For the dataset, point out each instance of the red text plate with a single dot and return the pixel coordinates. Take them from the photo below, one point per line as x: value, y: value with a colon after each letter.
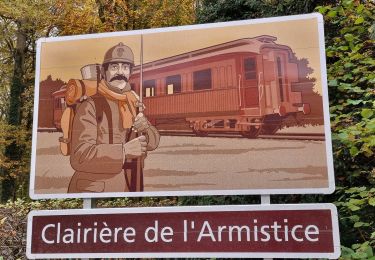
x: 304, y: 230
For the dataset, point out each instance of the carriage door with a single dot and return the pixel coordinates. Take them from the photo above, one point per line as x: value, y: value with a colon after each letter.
x: 281, y: 79
x: 250, y: 97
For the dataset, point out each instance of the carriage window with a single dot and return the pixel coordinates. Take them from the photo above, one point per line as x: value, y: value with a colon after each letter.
x: 149, y: 87
x: 173, y: 84
x: 202, y: 79
x: 62, y: 103
x: 250, y: 68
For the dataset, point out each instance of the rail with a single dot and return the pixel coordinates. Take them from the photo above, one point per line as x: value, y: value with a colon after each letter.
x: 283, y: 136
x: 286, y: 136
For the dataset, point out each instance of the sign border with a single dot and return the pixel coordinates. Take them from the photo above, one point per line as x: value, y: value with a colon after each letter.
x: 279, y: 207
x: 328, y: 140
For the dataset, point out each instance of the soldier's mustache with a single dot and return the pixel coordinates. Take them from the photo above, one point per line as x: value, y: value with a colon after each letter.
x: 119, y: 77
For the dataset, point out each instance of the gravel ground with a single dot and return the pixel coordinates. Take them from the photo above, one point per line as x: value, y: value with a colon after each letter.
x: 205, y: 163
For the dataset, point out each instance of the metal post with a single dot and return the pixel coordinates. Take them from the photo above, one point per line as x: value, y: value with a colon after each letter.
x: 87, y: 204
x: 265, y: 200
x: 141, y: 77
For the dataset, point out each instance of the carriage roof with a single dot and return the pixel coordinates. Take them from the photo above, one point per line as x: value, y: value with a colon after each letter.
x: 250, y: 45
x: 60, y: 92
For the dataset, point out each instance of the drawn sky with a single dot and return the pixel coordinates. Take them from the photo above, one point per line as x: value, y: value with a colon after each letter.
x: 63, y: 59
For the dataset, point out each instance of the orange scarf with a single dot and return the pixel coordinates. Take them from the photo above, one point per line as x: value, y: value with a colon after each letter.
x: 126, y: 103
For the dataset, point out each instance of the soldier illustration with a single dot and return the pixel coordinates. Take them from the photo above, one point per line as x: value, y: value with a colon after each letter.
x: 109, y: 135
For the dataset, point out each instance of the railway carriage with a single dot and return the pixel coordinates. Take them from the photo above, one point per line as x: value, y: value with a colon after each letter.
x: 59, y: 105
x: 243, y: 86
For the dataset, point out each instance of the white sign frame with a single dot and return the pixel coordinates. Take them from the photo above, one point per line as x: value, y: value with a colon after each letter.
x: 331, y: 182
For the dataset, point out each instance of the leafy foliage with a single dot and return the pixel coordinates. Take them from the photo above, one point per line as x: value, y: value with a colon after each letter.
x: 227, y: 10
x: 13, y: 218
x: 117, y: 15
x: 350, y: 35
x: 351, y: 78
x: 23, y: 22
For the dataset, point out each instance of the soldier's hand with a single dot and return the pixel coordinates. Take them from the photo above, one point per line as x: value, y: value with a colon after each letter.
x: 135, y: 148
x: 139, y: 104
x: 141, y: 123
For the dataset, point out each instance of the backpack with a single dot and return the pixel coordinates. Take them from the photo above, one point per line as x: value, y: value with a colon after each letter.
x: 76, y: 92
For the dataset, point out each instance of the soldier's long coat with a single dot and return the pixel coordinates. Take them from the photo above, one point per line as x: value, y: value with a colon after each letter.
x: 96, y: 152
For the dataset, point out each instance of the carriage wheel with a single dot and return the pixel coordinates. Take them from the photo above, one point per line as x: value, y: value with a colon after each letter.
x: 199, y: 132
x: 269, y: 129
x: 253, y: 131
x: 271, y: 124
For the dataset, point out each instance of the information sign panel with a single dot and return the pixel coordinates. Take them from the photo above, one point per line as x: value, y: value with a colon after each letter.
x: 291, y: 231
x: 225, y: 108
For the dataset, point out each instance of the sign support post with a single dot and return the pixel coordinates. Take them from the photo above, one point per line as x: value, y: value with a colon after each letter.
x: 265, y: 200
x: 87, y: 204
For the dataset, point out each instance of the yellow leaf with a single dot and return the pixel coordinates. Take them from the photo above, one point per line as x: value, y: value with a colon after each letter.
x: 2, y: 221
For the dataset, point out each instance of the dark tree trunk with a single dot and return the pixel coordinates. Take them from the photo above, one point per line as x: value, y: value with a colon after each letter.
x: 101, y: 10
x: 13, y: 152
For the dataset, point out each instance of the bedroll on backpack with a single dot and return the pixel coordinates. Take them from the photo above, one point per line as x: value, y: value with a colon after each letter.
x: 75, y: 91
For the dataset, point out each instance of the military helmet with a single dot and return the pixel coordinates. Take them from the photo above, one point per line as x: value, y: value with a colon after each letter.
x: 119, y: 53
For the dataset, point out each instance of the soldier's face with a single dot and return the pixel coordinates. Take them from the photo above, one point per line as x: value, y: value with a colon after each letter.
x: 117, y: 75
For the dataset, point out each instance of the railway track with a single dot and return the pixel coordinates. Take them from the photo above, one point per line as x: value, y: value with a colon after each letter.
x: 295, y: 136
x: 47, y: 130
x: 285, y: 136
